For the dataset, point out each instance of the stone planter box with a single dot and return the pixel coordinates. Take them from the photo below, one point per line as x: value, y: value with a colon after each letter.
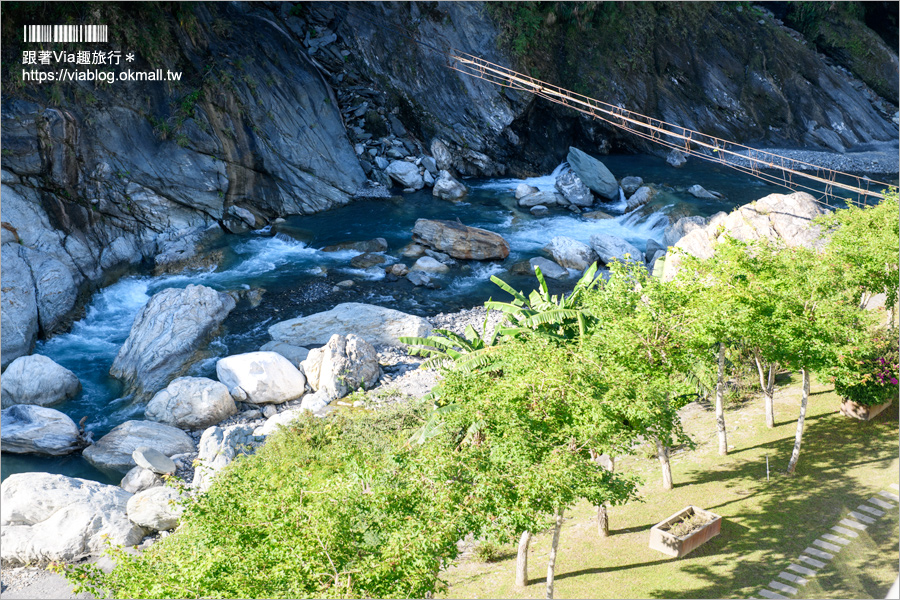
x: 863, y: 413
x: 665, y: 542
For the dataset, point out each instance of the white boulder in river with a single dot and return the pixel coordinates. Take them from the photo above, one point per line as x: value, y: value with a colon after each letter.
x: 156, y: 509
x: 594, y: 174
x: 38, y: 430
x: 36, y: 379
x: 167, y: 334
x: 191, y: 403
x: 406, y: 174
x: 570, y: 253
x: 574, y: 190
x: 113, y: 452
x: 374, y: 324
x: 448, y: 188
x: 51, y: 518
x: 342, y: 365
x: 610, y: 248
x: 261, y: 377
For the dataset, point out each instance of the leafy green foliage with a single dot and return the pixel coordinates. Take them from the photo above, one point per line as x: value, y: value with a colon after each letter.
x: 319, y: 511
x: 466, y: 352
x: 643, y: 340
x: 867, y: 373
x: 559, y: 317
x: 526, y: 435
x: 864, y: 243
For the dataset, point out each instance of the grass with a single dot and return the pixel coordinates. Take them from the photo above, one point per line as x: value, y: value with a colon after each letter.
x: 766, y: 524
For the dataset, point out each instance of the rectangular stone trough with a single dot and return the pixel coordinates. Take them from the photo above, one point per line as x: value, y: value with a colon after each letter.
x: 863, y: 413
x: 662, y: 540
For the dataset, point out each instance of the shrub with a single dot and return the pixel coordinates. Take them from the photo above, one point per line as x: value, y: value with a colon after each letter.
x: 867, y: 374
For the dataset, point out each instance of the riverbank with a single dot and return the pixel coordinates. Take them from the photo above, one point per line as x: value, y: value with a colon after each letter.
x: 876, y: 157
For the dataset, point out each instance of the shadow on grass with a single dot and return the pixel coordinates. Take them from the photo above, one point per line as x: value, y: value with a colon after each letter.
x: 601, y: 570
x: 787, y: 513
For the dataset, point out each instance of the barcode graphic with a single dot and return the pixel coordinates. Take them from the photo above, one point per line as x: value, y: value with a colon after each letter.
x: 66, y: 33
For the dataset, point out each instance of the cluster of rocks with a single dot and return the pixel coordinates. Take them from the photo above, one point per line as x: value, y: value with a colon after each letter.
x: 436, y: 247
x: 586, y: 182
x: 192, y: 428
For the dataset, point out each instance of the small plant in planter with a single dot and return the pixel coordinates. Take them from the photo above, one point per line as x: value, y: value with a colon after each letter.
x: 866, y: 376
x: 685, y: 531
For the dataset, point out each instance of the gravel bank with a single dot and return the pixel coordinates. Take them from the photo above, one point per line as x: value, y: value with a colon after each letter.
x: 875, y: 158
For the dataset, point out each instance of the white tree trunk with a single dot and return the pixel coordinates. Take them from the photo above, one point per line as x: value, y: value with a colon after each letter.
x: 795, y: 455
x: 720, y: 403
x: 662, y: 453
x: 551, y: 563
x: 768, y: 388
x: 522, y: 560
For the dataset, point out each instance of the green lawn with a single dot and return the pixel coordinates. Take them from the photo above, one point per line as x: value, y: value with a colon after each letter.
x: 766, y: 525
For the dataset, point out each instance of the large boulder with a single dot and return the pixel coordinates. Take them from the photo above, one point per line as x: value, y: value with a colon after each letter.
x: 343, y: 365
x: 523, y: 189
x: 156, y: 509
x: 539, y: 198
x: 442, y: 157
x: 18, y: 306
x: 676, y: 158
x: 681, y: 228
x: 375, y: 324
x: 38, y: 430
x: 460, y: 241
x: 36, y: 379
x: 191, y: 403
x: 167, y: 335
x: 149, y: 458
x: 631, y: 184
x: 218, y: 447
x: 374, y: 245
x: 51, y: 518
x: 138, y: 479
x: 113, y: 452
x: 261, y: 377
x: 594, y: 174
x: 785, y: 217
x: 406, y: 174
x: 610, y: 248
x: 698, y: 191
x: 570, y: 253
x: 285, y: 418
x: 429, y: 265
x: 295, y: 354
x: 574, y: 190
x: 448, y: 188
x: 640, y: 197
x: 55, y: 288
x: 549, y: 268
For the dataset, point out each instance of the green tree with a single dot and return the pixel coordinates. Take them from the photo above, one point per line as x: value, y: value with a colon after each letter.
x: 642, y: 341
x: 525, y: 431
x: 736, y: 302
x: 865, y: 243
